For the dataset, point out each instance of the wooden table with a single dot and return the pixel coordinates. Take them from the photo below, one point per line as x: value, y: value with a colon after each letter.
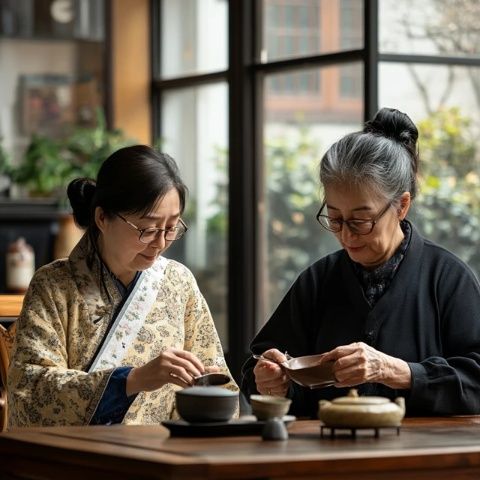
x: 10, y: 305
x: 437, y: 448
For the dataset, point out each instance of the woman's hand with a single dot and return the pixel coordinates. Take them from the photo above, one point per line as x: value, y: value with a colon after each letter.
x: 270, y: 378
x: 171, y: 366
x: 359, y: 363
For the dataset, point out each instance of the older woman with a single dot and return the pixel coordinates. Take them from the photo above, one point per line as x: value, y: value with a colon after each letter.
x: 106, y: 335
x: 398, y: 315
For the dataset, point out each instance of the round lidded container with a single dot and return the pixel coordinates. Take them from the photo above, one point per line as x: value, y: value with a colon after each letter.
x: 353, y: 411
x: 206, y: 404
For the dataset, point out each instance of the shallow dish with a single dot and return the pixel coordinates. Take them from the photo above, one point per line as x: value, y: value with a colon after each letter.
x: 309, y: 372
x: 247, y: 425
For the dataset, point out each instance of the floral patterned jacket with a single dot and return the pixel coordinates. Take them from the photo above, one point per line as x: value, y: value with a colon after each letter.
x: 65, y: 316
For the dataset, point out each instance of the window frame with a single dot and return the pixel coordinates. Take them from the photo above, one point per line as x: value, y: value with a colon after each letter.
x: 244, y: 77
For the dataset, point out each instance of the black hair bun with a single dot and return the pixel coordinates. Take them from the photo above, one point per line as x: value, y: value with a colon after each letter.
x: 391, y: 123
x: 80, y: 193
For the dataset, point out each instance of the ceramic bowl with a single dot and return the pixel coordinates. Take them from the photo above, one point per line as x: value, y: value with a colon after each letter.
x: 206, y: 404
x: 309, y: 372
x: 265, y: 407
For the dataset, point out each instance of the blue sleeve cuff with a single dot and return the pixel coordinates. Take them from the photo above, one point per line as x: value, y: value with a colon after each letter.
x: 114, y: 403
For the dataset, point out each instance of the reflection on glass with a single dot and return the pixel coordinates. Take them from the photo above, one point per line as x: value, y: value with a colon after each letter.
x: 351, y: 84
x: 295, y: 28
x: 299, y: 128
x: 194, y: 37
x: 444, y: 102
x: 201, y: 153
x: 430, y: 27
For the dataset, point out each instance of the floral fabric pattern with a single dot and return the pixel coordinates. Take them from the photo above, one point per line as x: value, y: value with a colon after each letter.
x: 130, y: 319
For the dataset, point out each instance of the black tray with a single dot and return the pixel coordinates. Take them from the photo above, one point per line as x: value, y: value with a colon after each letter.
x: 248, y: 425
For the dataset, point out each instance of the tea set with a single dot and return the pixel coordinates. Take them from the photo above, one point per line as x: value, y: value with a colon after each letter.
x: 207, y: 405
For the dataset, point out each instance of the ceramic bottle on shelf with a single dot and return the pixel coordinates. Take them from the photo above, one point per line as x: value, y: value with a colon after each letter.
x: 20, y: 266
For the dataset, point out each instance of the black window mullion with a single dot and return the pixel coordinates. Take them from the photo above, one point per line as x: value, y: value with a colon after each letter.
x: 430, y: 59
x: 311, y: 61
x: 156, y: 37
x: 190, y: 80
x: 242, y: 285
x: 371, y: 58
x: 108, y: 71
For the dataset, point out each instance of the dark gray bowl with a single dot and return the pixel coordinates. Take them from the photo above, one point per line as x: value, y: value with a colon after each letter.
x: 206, y: 404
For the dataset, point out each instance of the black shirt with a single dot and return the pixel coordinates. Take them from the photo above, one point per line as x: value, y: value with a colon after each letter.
x: 429, y: 316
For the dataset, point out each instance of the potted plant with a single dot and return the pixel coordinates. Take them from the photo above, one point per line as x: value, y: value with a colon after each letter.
x: 43, y: 169
x: 87, y: 148
x: 49, y: 164
x: 5, y: 170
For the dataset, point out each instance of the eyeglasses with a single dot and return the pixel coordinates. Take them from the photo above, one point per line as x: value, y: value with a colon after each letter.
x: 148, y: 235
x: 357, y: 227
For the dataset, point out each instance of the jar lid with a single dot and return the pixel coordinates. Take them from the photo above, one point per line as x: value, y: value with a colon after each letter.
x: 19, y: 245
x: 353, y: 399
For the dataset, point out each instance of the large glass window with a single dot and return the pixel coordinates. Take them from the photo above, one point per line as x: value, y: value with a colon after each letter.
x: 444, y: 103
x: 294, y: 99
x: 282, y: 102
x: 430, y: 27
x: 193, y: 37
x: 201, y: 153
x: 440, y: 90
x: 297, y: 132
x: 293, y: 28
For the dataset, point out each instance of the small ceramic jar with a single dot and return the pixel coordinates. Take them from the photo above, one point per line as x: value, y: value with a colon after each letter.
x: 20, y: 266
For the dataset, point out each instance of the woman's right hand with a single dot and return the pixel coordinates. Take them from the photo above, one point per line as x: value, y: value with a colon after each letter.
x: 270, y: 377
x: 171, y: 366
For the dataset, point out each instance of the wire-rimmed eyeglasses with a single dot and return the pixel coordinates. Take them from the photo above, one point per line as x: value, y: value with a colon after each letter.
x: 356, y: 226
x: 147, y: 235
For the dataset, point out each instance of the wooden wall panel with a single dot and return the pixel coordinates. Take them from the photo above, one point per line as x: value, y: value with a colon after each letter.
x: 130, y: 64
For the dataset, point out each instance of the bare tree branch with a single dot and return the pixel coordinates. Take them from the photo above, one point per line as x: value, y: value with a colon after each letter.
x: 421, y: 88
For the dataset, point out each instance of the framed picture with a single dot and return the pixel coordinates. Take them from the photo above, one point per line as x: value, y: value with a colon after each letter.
x: 46, y: 104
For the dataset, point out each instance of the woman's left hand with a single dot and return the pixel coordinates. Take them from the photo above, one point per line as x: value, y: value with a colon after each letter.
x: 359, y: 363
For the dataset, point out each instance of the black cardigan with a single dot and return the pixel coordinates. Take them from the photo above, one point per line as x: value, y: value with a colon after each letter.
x: 429, y: 317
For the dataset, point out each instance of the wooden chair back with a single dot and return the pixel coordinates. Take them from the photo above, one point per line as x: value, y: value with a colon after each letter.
x: 10, y: 307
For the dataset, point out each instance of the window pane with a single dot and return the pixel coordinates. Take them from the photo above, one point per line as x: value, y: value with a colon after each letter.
x: 194, y: 37
x: 445, y: 103
x: 294, y: 28
x: 201, y: 152
x: 430, y: 27
x: 300, y: 126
